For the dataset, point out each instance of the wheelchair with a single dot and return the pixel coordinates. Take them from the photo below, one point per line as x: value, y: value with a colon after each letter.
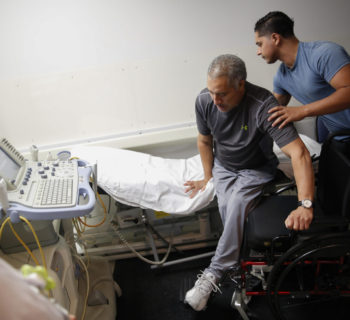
x: 305, y: 269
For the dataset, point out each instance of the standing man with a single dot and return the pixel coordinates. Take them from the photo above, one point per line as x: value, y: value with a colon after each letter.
x: 235, y: 144
x: 315, y: 73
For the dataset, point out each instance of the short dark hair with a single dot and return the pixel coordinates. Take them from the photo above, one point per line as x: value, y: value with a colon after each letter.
x: 275, y: 22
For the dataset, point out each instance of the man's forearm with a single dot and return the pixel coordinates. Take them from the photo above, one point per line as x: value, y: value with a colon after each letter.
x: 301, y: 217
x: 207, y: 157
x: 304, y: 177
x: 337, y: 101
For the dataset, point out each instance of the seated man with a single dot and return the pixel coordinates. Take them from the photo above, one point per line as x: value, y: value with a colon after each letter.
x: 235, y: 144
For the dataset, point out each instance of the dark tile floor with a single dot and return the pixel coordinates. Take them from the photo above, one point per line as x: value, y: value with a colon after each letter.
x: 157, y: 294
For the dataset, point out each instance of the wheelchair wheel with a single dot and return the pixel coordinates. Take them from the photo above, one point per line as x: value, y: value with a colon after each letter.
x: 312, y: 280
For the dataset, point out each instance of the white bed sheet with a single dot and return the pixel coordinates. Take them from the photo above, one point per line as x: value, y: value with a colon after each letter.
x: 146, y: 181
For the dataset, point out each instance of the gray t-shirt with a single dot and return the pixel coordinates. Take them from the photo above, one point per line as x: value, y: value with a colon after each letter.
x: 243, y: 136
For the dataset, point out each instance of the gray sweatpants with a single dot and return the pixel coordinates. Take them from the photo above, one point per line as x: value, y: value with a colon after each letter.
x: 237, y: 193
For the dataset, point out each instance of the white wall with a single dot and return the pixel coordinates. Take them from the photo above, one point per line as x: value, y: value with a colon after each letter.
x: 85, y: 70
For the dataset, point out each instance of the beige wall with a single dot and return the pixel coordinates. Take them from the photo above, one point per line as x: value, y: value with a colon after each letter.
x: 77, y: 71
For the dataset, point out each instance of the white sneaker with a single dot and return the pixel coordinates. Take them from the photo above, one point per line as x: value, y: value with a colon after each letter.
x: 198, y: 296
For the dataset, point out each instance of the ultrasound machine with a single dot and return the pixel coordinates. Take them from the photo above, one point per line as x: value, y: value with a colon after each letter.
x: 42, y: 190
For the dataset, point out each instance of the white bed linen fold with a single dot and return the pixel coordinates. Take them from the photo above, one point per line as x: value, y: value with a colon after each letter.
x: 146, y: 181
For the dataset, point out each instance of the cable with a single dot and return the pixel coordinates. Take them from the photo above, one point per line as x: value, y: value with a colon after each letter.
x: 148, y: 225
x: 104, y: 211
x: 7, y: 220
x: 109, y: 203
x: 78, y: 221
x: 99, y: 197
x: 76, y: 226
x: 104, y: 217
x: 36, y: 239
x: 87, y: 285
x: 80, y: 225
x: 115, y: 228
x: 3, y: 225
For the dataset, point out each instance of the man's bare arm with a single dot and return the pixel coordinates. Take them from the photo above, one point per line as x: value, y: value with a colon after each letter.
x: 300, y: 218
x: 205, y: 148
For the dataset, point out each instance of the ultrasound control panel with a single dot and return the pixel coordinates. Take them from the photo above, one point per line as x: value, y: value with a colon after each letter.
x: 48, y: 184
x: 43, y: 190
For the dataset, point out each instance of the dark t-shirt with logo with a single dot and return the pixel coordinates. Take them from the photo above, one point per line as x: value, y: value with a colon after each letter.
x: 243, y: 137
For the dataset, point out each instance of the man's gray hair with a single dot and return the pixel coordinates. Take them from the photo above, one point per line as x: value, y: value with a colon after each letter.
x: 230, y: 66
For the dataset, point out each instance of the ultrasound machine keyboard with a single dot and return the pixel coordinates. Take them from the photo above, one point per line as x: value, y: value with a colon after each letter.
x: 55, y: 192
x: 48, y: 184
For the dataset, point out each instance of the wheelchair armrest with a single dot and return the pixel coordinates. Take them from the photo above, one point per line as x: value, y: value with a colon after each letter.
x: 279, y: 184
x: 287, y: 186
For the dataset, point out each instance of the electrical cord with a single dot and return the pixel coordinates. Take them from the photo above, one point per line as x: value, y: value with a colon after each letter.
x: 121, y: 237
x: 148, y: 225
x: 80, y: 225
x: 97, y: 195
x: 78, y: 221
x: 7, y: 220
x: 36, y: 239
x: 87, y: 285
x: 104, y: 216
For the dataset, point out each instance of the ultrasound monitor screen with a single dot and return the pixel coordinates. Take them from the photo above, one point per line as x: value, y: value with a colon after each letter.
x: 8, y: 167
